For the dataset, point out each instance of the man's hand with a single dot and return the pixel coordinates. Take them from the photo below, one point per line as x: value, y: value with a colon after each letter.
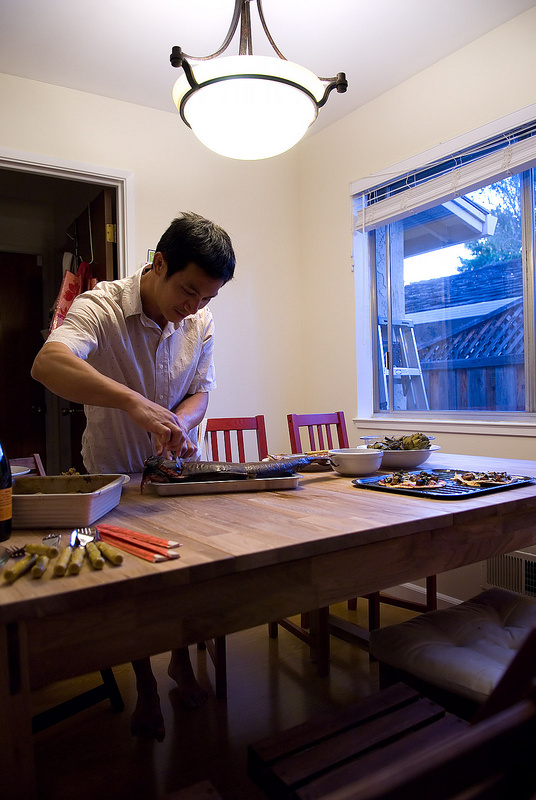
x: 168, y: 431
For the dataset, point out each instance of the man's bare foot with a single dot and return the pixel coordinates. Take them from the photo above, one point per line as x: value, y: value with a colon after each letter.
x: 147, y: 721
x: 180, y: 669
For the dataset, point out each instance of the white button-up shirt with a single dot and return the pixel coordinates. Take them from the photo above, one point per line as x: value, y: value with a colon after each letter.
x: 107, y: 327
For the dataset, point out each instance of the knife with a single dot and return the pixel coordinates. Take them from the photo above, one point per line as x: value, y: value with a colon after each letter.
x: 60, y: 567
x: 77, y: 554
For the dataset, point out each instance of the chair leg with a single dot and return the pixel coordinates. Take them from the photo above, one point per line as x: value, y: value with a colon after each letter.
x: 431, y: 593
x: 373, y: 610
x: 110, y: 683
x: 319, y: 630
x: 272, y: 630
x: 217, y: 650
x: 107, y: 690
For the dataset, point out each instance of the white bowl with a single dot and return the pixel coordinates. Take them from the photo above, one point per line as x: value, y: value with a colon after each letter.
x: 354, y: 461
x: 403, y: 459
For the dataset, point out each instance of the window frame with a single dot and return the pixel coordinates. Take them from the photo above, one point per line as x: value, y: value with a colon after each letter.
x: 518, y: 423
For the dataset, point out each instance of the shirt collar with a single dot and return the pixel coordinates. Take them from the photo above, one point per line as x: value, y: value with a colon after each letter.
x: 132, y: 304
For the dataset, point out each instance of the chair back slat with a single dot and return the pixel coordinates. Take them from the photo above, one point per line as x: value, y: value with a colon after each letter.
x: 237, y: 425
x: 33, y: 462
x: 320, y: 428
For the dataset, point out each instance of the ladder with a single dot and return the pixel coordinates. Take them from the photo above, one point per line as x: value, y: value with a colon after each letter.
x: 406, y: 364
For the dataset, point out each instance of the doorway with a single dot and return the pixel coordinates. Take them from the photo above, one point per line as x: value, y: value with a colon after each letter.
x: 38, y: 209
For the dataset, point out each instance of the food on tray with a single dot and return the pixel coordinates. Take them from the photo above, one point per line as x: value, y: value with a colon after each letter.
x: 158, y: 469
x: 412, y: 441
x: 484, y: 478
x: 411, y: 480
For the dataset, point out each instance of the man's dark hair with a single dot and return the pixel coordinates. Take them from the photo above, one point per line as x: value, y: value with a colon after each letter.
x: 193, y: 239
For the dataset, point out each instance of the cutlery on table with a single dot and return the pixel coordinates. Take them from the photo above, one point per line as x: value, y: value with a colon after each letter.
x: 77, y: 554
x: 32, y: 556
x: 45, y: 551
x: 143, y: 545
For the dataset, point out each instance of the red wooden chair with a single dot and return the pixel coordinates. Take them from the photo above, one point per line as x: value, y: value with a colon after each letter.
x: 324, y: 432
x: 320, y: 431
x: 234, y: 448
x: 237, y: 425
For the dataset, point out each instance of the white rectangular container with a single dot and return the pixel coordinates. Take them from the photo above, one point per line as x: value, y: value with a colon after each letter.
x: 64, y: 501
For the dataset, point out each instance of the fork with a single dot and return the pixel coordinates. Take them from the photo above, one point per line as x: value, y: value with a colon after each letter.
x: 51, y: 540
x: 86, y: 540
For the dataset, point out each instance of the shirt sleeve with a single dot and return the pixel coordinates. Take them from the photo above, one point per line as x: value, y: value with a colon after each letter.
x: 204, y: 379
x: 80, y: 329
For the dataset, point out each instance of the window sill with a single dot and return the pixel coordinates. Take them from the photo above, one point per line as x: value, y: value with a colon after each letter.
x: 492, y: 425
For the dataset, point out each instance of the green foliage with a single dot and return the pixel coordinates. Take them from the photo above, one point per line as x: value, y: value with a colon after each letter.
x: 503, y: 200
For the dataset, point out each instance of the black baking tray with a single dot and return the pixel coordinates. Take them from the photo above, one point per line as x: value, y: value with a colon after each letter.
x: 452, y: 490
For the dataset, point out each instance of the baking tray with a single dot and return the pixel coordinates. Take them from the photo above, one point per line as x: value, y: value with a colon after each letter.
x: 452, y: 491
x: 64, y: 501
x: 219, y: 487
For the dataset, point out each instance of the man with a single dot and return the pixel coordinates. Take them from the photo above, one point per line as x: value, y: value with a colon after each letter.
x: 138, y: 353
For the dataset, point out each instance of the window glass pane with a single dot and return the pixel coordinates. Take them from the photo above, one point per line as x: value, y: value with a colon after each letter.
x: 449, y: 295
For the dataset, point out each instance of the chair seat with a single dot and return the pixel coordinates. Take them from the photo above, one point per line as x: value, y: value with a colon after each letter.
x: 465, y: 649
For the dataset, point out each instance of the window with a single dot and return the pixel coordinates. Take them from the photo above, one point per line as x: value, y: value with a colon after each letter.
x: 451, y: 254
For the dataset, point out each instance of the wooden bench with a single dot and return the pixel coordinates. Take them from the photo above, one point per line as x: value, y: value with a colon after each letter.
x: 398, y: 745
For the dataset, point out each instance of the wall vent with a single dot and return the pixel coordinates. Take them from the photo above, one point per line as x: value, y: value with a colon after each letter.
x: 514, y: 571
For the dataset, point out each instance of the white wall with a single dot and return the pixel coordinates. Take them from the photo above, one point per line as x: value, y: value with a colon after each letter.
x: 257, y: 316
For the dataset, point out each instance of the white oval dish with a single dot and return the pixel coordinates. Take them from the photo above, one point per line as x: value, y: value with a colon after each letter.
x: 16, y: 471
x: 403, y: 459
x: 352, y: 461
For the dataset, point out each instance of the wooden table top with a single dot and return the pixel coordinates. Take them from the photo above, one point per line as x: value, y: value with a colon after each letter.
x: 227, y: 534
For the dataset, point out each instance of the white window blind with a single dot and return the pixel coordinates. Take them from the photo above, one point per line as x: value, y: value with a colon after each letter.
x: 450, y: 178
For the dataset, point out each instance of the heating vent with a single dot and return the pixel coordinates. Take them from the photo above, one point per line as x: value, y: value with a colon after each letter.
x: 515, y: 571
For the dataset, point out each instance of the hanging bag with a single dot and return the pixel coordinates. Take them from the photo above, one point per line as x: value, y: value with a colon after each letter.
x: 71, y: 286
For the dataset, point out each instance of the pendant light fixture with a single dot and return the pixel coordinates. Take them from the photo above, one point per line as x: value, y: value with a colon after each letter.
x: 246, y: 106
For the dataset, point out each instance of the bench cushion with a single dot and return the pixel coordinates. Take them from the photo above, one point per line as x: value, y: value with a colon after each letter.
x: 465, y: 649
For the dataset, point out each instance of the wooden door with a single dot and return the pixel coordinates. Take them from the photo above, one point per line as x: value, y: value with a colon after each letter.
x: 93, y: 236
x: 22, y: 405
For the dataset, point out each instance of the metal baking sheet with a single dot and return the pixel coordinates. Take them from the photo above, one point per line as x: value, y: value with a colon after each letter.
x: 220, y: 487
x: 452, y: 491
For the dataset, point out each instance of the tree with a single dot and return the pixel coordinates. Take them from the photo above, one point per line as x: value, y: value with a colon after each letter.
x: 503, y: 199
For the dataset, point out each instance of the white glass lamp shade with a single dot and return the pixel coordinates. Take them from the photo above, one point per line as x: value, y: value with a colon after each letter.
x: 249, y: 107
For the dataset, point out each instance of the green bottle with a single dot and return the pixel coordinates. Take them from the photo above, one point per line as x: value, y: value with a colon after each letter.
x: 5, y: 497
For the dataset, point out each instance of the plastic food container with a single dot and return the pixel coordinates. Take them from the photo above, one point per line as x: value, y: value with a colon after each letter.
x: 64, y: 501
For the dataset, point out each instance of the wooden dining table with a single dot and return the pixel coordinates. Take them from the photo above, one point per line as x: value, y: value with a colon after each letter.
x: 246, y: 558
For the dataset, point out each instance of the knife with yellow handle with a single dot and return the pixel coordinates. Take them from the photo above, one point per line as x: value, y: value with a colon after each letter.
x: 60, y: 567
x: 77, y: 554
x: 12, y: 573
x: 94, y: 554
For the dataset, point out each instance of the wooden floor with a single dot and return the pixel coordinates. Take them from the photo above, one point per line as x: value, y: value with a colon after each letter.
x: 272, y: 685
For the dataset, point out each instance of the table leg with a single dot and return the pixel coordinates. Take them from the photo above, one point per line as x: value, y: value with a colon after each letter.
x: 16, y: 745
